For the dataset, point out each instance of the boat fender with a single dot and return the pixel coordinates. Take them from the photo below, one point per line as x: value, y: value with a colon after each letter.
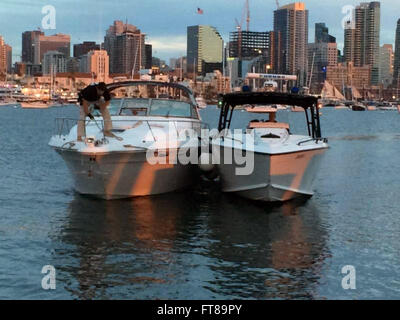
x: 205, y: 162
x: 212, y: 175
x: 209, y: 169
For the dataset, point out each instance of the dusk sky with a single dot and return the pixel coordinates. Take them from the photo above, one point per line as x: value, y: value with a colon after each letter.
x: 165, y: 21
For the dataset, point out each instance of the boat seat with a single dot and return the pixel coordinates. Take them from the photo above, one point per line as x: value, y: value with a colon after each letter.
x: 257, y: 125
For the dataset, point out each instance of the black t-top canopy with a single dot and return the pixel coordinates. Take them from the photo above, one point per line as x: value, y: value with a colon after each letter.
x: 241, y: 98
x: 229, y: 101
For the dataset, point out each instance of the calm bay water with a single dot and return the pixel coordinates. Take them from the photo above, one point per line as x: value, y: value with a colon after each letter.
x: 202, y: 244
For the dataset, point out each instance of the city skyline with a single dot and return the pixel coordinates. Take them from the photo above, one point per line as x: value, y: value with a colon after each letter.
x: 168, y: 35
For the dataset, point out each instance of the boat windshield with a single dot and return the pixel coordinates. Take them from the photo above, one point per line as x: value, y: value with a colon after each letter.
x: 151, y: 107
x: 170, y: 108
x: 152, y: 99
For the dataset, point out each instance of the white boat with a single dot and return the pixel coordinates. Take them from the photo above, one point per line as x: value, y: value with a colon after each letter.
x: 386, y: 106
x: 8, y: 102
x: 150, y: 136
x: 341, y: 106
x: 296, y: 109
x: 358, y: 107
x: 330, y: 95
x: 336, y: 104
x: 8, y: 96
x: 370, y: 105
x: 283, y: 164
x: 35, y: 104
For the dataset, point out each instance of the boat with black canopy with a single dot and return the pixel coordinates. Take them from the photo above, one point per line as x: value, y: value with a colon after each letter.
x: 267, y: 161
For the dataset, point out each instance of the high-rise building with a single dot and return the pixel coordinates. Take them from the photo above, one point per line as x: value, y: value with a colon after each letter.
x: 3, y: 58
x: 361, y: 38
x: 320, y: 56
x: 83, y: 48
x: 98, y: 64
x: 29, y: 39
x: 125, y: 46
x: 204, y: 49
x: 43, y: 44
x: 322, y: 34
x: 349, y: 42
x: 386, y: 59
x: 35, y: 44
x: 148, y: 56
x: 130, y: 49
x: 396, y: 71
x: 275, y: 58
x: 249, y: 44
x: 347, y: 75
x: 9, y: 58
x: 291, y: 26
x: 84, y: 64
x: 367, y: 36
x: 72, y: 64
x: 54, y: 62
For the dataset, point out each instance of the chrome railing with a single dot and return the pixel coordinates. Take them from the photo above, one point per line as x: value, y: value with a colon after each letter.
x: 63, y: 126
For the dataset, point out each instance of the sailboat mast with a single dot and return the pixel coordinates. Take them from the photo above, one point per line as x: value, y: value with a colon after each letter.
x: 311, y: 73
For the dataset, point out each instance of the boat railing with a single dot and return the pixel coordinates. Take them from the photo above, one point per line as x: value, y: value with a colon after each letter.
x: 316, y: 140
x: 63, y: 126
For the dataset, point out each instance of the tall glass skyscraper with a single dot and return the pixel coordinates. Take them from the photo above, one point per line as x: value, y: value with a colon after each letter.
x: 396, y: 71
x: 204, y: 49
x: 291, y: 28
x: 367, y: 37
x: 125, y: 45
x: 362, y: 38
x: 322, y: 34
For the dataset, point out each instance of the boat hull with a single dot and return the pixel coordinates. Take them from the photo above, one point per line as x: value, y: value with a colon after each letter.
x: 38, y: 105
x: 120, y: 175
x: 276, y: 177
x: 358, y: 108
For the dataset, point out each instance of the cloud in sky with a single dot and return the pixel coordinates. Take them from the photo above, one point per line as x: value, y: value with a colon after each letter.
x: 168, y: 44
x: 165, y: 21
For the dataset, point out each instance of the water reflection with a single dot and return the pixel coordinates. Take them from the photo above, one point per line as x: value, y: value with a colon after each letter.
x: 267, y: 251
x: 116, y: 243
x: 163, y: 247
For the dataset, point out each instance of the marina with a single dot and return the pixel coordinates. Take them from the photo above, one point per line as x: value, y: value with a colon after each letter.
x: 204, y: 156
x: 203, y: 242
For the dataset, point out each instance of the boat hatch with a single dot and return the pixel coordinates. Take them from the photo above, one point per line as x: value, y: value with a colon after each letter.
x: 118, y: 130
x: 270, y: 136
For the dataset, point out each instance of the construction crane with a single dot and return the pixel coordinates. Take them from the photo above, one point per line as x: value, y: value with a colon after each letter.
x: 277, y: 4
x: 246, y: 12
x: 247, y: 9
